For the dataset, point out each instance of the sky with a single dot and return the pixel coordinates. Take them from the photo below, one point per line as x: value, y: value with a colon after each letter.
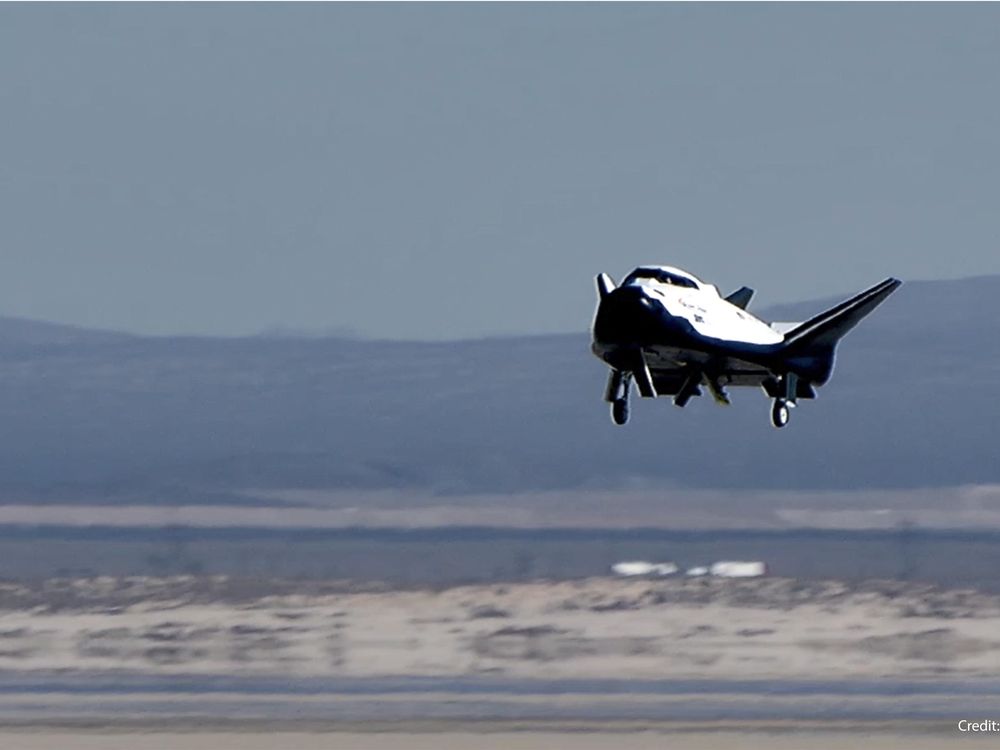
x: 450, y: 170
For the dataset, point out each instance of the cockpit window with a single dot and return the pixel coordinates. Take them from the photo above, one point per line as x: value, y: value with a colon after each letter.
x: 658, y: 274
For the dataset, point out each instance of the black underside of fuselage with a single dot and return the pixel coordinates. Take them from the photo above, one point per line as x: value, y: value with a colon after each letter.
x: 628, y: 324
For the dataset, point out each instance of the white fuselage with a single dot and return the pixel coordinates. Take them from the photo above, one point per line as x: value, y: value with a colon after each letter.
x: 708, y: 313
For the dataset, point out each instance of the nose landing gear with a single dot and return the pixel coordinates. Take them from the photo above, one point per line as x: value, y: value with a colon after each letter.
x: 619, y: 411
x: 616, y: 394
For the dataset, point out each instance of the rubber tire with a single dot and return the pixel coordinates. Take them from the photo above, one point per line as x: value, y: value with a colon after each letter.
x: 780, y: 413
x: 619, y: 411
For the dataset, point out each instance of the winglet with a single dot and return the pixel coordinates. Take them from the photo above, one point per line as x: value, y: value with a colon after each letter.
x: 605, y: 285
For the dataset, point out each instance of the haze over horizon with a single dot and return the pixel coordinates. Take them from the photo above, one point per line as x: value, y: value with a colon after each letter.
x: 766, y: 309
x: 458, y: 171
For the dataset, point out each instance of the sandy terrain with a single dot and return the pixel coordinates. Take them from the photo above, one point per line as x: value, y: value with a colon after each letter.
x: 970, y: 507
x: 597, y: 628
x: 527, y: 740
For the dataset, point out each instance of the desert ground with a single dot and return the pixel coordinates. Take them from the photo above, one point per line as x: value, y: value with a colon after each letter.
x: 698, y: 628
x: 974, y: 506
x: 192, y: 662
x: 465, y: 740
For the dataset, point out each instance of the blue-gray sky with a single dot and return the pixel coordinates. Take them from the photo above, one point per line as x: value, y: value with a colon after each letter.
x: 439, y: 171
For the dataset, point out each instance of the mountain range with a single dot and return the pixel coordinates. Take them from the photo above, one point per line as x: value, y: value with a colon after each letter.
x: 96, y: 415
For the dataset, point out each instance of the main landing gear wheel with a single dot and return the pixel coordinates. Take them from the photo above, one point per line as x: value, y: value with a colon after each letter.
x: 619, y: 411
x: 780, y: 412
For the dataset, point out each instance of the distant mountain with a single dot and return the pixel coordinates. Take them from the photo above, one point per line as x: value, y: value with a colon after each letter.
x: 15, y: 332
x: 92, y: 415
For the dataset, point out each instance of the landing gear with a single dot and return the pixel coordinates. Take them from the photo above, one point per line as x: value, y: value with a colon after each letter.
x: 784, y: 389
x: 619, y: 411
x: 689, y: 388
x: 780, y: 412
x: 616, y: 394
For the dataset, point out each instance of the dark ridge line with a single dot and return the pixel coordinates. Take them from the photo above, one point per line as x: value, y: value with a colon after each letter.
x: 478, y: 533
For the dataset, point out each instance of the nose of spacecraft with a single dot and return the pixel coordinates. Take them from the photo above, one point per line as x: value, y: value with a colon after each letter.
x: 625, y: 314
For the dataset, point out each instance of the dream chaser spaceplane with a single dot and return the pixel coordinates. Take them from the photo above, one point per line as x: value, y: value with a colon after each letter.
x: 672, y: 333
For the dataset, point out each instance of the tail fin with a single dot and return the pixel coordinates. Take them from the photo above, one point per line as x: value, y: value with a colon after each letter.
x: 827, y: 328
x: 810, y: 345
x: 741, y: 297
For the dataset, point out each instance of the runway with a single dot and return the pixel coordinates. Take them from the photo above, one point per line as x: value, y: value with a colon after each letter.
x: 787, y: 738
x: 53, y: 700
